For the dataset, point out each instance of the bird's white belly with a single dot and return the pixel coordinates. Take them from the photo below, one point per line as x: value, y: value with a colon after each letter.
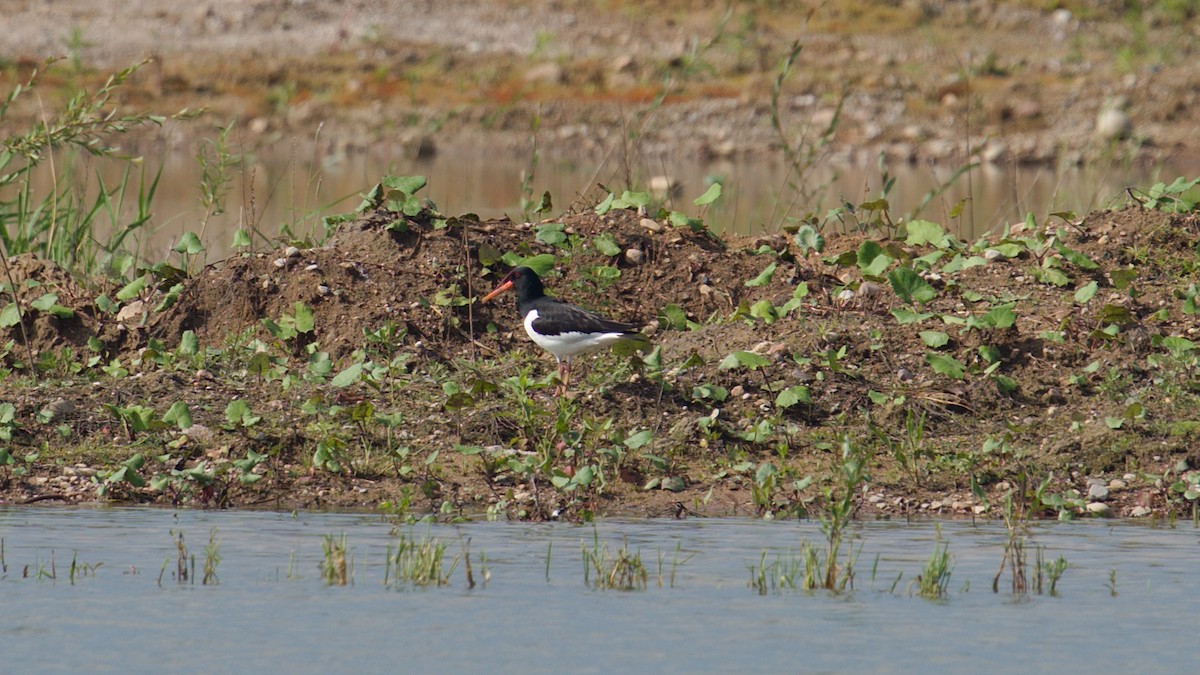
x: 565, y: 345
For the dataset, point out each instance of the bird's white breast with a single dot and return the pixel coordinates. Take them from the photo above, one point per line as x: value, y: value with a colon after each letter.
x: 566, y: 345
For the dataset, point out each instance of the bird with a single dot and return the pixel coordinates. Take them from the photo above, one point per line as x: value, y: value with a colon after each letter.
x: 558, y: 327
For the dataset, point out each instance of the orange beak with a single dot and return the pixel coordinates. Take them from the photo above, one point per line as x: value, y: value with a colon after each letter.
x: 499, y: 289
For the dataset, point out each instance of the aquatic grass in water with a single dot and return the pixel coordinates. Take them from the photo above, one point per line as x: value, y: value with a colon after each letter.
x: 337, y: 567
x: 935, y: 577
x: 418, y: 562
x: 620, y: 570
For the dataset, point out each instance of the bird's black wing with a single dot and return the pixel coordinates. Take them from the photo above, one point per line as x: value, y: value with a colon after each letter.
x: 556, y: 318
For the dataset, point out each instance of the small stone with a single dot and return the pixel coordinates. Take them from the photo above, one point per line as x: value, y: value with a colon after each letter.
x: 979, y: 509
x: 1100, y: 509
x: 1117, y: 484
x: 545, y: 73
x: 959, y: 506
x: 992, y: 254
x: 59, y: 408
x: 935, y: 505
x: 875, y: 499
x: 311, y: 268
x: 737, y: 390
x: 291, y: 252
x: 1113, y: 124
x: 131, y: 311
x: 280, y: 262
x: 1139, y: 512
x: 869, y: 289
x: 635, y: 256
x: 845, y: 296
x: 1097, y: 492
x: 322, y: 289
x: 651, y: 224
x: 1129, y: 477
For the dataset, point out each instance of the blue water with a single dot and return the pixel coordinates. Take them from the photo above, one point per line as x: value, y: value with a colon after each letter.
x: 258, y: 618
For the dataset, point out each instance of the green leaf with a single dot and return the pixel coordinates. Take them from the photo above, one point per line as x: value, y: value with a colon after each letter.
x: 541, y: 264
x: 809, y: 239
x: 710, y: 195
x: 764, y: 310
x: 946, y: 365
x: 1001, y: 316
x: 488, y: 255
x: 934, y: 338
x: 910, y: 286
x: 551, y: 233
x: 1114, y: 422
x: 1178, y: 346
x: 44, y: 303
x: 238, y: 413
x: 304, y: 318
x: 1122, y: 279
x: 409, y: 185
x: 607, y: 244
x: 179, y: 415
x: 1050, y: 275
x: 348, y: 376
x: 1009, y: 250
x: 189, y: 344
x: 1075, y: 257
x: 132, y: 289
x: 241, y: 238
x: 189, y: 243
x: 1005, y: 384
x: 907, y: 317
x: 639, y: 439
x: 743, y: 359
x: 1086, y: 293
x: 925, y: 232
x: 674, y: 317
x: 713, y: 391
x: 606, y: 205
x: 763, y: 277
x: 793, y: 395
x: 871, y: 258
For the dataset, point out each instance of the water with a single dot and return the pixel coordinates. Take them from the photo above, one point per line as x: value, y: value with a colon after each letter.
x: 260, y: 619
x: 294, y: 185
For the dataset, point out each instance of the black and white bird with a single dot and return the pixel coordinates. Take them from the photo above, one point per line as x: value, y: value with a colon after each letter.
x: 560, y: 328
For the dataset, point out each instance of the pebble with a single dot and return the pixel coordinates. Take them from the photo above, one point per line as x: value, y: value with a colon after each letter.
x: 634, y: 256
x: 59, y: 407
x: 311, y: 268
x: 291, y: 252
x: 1100, y: 509
x: 322, y: 289
x: 959, y: 506
x: 979, y: 509
x: 651, y: 224
x: 992, y: 254
x: 131, y: 311
x: 1139, y: 512
x: 280, y: 262
x: 737, y: 390
x: 1129, y: 477
x: 1097, y: 492
x: 1117, y: 484
x: 1113, y: 125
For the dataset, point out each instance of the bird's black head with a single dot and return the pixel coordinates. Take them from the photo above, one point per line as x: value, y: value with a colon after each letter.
x: 524, y: 280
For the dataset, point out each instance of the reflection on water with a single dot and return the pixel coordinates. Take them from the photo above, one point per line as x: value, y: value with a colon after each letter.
x: 271, y: 610
x: 292, y: 186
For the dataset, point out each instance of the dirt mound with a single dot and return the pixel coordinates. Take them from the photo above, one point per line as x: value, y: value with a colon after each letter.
x: 1068, y: 346
x: 421, y: 276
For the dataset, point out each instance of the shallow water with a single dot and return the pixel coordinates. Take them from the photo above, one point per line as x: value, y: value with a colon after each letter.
x: 260, y: 618
x: 289, y: 185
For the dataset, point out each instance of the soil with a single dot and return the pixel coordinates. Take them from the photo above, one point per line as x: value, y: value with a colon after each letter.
x: 1094, y: 406
x: 1092, y: 398
x: 922, y: 81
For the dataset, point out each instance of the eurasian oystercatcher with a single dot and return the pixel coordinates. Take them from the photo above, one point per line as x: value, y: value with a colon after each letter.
x: 560, y: 328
